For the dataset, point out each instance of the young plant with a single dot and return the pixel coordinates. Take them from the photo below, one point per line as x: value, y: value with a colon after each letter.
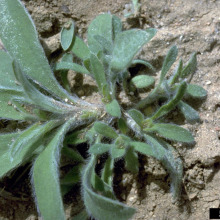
x: 59, y: 120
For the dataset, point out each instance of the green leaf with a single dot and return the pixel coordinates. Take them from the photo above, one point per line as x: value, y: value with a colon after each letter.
x: 126, y: 46
x: 39, y: 99
x: 166, y: 108
x: 113, y: 108
x: 71, y: 66
x: 45, y: 178
x: 168, y: 62
x: 105, y: 130
x: 100, y: 148
x: 80, y: 49
x: 81, y: 216
x: 8, y: 79
x: 72, y: 177
x: 72, y: 154
x: 177, y: 73
x: 19, y: 36
x: 100, y: 186
x: 8, y: 110
x: 6, y: 164
x: 66, y: 35
x: 190, y: 114
x: 143, y: 81
x: 143, y: 148
x: 117, y: 151
x: 98, y: 71
x: 99, y: 206
x: 122, y: 125
x: 106, y: 45
x: 131, y: 160
x: 167, y: 155
x: 116, y: 26
x: 30, y: 136
x: 102, y: 26
x: 190, y: 68
x: 137, y: 116
x: 67, y: 57
x: 107, y: 172
x: 172, y: 132
x: 143, y: 62
x: 196, y: 91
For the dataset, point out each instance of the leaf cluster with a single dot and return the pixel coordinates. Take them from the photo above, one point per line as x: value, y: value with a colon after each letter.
x: 59, y: 120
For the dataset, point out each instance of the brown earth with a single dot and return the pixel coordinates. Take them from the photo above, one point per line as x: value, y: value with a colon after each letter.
x: 192, y: 26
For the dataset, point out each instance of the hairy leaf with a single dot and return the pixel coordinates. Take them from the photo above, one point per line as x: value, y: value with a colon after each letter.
x: 6, y: 164
x: 46, y: 178
x: 66, y: 36
x: 189, y: 113
x: 101, y: 25
x: 143, y: 62
x: 196, y: 91
x: 143, y: 81
x: 190, y: 68
x: 99, y: 206
x: 71, y: 66
x: 172, y: 132
x: 137, y: 116
x: 30, y: 136
x: 117, y: 151
x: 100, y: 148
x: 80, y: 49
x: 72, y: 177
x: 166, y: 108
x: 105, y: 130
x: 98, y: 71
x: 44, y: 102
x: 170, y: 160
x: 168, y: 62
x: 127, y: 44
x: 113, y: 108
x: 107, y: 172
x: 143, y: 148
x: 8, y: 109
x: 131, y: 160
x: 19, y: 37
x: 116, y: 26
x: 176, y: 74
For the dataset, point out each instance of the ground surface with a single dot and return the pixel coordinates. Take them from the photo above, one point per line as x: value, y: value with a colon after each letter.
x: 192, y: 26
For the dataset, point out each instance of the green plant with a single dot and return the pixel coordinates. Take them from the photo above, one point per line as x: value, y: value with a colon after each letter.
x: 58, y: 120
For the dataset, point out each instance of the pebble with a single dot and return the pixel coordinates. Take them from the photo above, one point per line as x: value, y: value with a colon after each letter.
x: 208, y: 82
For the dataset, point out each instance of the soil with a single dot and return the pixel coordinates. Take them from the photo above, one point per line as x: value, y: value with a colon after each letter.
x: 192, y: 26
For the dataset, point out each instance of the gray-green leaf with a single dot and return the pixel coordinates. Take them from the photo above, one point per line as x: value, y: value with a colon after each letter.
x: 113, y: 108
x: 66, y: 36
x: 172, y: 132
x: 105, y: 130
x: 127, y: 44
x: 143, y: 81
x: 100, y: 148
x: 168, y: 62
x: 99, y: 206
x: 196, y: 91
x: 19, y: 36
x: 189, y: 113
x: 46, y: 178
